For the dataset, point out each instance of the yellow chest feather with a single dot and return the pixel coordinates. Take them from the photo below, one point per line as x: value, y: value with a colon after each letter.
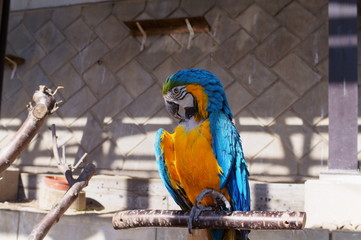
x: 194, y: 166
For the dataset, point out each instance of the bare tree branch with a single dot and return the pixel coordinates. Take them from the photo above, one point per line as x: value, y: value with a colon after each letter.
x: 40, y: 230
x: 81, y: 160
x: 64, y: 168
x: 210, y: 219
x: 62, y: 165
x: 45, y: 104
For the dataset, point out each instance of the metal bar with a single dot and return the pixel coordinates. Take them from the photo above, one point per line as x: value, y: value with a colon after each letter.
x: 343, y: 92
x: 5, y: 8
x: 253, y: 220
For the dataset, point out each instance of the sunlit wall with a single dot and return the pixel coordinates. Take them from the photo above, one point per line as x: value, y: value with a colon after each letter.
x: 271, y: 57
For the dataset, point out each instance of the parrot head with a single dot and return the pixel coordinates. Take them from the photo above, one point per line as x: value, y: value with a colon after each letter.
x: 193, y: 94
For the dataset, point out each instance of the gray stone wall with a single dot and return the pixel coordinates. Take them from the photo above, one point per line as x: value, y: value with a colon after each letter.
x: 270, y: 55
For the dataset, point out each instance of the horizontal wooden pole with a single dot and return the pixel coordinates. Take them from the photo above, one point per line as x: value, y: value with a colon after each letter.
x: 168, y: 25
x: 252, y: 220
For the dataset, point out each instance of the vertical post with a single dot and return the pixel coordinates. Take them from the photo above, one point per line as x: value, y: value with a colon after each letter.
x: 4, y: 18
x: 343, y: 92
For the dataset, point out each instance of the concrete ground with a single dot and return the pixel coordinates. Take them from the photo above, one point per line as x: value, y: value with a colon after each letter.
x: 17, y: 225
x: 108, y: 194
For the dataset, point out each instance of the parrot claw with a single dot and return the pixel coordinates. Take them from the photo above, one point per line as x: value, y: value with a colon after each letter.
x: 194, y: 214
x: 198, y: 207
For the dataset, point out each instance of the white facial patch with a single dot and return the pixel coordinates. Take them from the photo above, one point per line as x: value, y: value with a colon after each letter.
x: 187, y: 101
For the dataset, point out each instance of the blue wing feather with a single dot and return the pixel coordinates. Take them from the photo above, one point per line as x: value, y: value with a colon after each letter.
x: 176, y: 193
x: 222, y: 148
x: 229, y: 154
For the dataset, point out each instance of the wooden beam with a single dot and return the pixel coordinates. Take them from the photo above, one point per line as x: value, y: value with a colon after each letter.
x: 168, y: 26
x: 343, y: 88
x: 4, y: 18
x: 11, y: 59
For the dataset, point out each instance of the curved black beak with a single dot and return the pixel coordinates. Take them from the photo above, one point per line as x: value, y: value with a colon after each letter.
x: 173, y: 109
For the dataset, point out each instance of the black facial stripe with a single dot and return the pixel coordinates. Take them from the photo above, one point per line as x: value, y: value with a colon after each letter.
x: 190, y: 112
x: 177, y: 93
x: 182, y: 93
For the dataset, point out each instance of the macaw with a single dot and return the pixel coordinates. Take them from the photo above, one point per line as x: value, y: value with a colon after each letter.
x: 205, y: 151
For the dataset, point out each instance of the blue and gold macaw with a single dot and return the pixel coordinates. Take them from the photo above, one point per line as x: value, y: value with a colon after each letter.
x: 205, y: 151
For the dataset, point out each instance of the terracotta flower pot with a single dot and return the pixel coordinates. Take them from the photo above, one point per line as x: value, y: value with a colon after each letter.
x: 55, y: 182
x: 53, y: 190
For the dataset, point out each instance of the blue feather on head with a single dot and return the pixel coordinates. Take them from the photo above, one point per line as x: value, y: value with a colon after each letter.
x: 217, y: 100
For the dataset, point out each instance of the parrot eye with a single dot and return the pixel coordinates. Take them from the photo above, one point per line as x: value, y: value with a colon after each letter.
x: 179, y: 92
x: 175, y: 90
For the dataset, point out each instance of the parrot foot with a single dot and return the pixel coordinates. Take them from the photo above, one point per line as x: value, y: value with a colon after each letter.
x: 218, y: 199
x: 194, y: 214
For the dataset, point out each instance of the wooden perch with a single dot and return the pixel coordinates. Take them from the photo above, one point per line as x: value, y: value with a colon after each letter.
x: 253, y: 220
x: 40, y: 230
x: 45, y: 104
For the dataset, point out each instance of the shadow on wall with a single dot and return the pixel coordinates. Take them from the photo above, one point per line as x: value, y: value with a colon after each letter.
x: 272, y: 65
x: 287, y: 147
